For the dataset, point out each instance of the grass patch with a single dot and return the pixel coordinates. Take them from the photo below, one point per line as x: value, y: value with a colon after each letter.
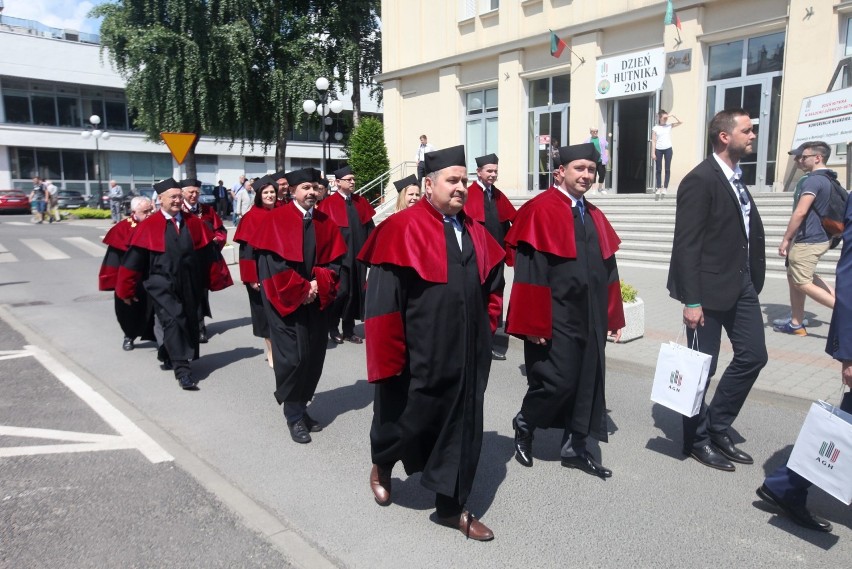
x: 86, y: 213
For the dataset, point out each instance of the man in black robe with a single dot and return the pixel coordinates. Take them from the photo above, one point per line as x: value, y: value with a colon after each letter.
x: 565, y: 297
x: 354, y: 215
x: 176, y: 260
x: 489, y: 206
x: 430, y: 288
x: 298, y: 251
x: 137, y: 319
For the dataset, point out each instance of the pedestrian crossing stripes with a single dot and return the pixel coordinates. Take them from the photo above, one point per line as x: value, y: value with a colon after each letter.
x: 44, y: 249
x: 50, y: 249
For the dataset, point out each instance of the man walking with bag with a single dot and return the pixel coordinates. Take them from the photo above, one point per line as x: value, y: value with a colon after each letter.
x: 717, y: 270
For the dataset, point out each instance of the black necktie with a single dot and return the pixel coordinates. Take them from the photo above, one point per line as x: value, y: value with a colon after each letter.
x: 309, y: 245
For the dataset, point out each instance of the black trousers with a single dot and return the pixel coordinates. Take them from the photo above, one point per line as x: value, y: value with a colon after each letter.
x: 743, y: 323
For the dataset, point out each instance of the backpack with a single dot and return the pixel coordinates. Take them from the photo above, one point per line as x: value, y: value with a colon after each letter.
x: 832, y: 217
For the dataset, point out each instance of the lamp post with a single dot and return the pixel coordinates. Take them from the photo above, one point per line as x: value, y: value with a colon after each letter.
x: 94, y: 132
x: 323, y: 107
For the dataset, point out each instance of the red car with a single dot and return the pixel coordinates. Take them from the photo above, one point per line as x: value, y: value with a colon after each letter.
x: 14, y: 201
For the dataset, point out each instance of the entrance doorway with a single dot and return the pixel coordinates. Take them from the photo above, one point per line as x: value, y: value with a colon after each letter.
x: 548, y: 131
x: 631, y: 124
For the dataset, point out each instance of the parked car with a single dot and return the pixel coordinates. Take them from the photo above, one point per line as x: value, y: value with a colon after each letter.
x: 206, y: 195
x: 70, y: 199
x: 14, y: 201
x: 94, y: 203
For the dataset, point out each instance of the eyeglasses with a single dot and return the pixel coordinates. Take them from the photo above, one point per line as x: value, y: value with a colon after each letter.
x: 803, y: 156
x: 347, y: 179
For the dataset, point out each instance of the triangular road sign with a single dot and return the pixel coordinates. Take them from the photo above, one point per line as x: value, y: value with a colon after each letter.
x: 179, y: 143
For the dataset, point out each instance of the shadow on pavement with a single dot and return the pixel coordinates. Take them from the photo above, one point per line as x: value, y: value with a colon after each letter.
x: 329, y: 405
x: 209, y: 363
x: 214, y: 328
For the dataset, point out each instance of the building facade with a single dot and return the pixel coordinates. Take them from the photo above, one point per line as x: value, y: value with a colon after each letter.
x: 480, y: 72
x: 52, y: 81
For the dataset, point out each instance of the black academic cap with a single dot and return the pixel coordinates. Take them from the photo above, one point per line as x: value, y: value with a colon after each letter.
x: 190, y: 182
x: 261, y: 183
x: 405, y: 182
x: 323, y: 182
x: 585, y: 151
x: 278, y: 175
x: 317, y: 175
x: 297, y: 177
x: 444, y: 158
x: 166, y: 185
x: 342, y: 172
x: 483, y: 160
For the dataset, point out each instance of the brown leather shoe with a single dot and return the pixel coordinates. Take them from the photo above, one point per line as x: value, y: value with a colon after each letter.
x: 380, y: 484
x: 354, y: 339
x: 469, y: 526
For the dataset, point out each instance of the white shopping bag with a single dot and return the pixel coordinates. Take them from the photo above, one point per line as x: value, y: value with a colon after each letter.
x: 681, y: 378
x: 823, y: 451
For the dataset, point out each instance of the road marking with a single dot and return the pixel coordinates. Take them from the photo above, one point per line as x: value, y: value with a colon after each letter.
x: 86, y: 246
x: 44, y: 249
x: 12, y: 354
x: 130, y: 436
x: 24, y: 223
x: 6, y: 256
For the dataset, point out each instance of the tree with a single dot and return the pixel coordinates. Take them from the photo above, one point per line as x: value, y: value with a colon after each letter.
x: 354, y: 46
x: 367, y: 153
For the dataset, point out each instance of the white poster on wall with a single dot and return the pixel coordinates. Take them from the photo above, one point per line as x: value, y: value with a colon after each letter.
x: 630, y: 74
x: 826, y: 117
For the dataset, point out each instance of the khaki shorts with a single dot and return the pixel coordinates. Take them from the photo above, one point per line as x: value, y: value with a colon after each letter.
x: 802, y: 261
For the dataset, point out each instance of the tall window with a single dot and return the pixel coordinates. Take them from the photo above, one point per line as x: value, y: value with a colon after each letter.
x: 469, y: 8
x: 58, y: 104
x: 480, y: 125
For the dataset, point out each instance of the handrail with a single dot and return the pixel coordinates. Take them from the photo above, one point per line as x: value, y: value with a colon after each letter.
x: 399, y: 171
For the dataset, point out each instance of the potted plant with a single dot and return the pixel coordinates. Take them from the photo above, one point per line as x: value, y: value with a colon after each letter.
x: 634, y: 313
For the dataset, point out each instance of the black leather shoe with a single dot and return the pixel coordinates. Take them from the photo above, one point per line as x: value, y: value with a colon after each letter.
x: 166, y: 365
x: 587, y: 463
x: 299, y: 432
x: 495, y: 355
x: 353, y: 338
x: 311, y: 424
x: 726, y: 448
x: 188, y: 383
x: 202, y: 335
x: 128, y: 344
x: 336, y: 338
x: 798, y: 513
x: 709, y: 457
x: 523, y: 445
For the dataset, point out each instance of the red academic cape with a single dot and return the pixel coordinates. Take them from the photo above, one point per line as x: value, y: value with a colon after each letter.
x: 150, y: 235
x: 474, y: 207
x: 281, y: 233
x: 118, y: 238
x: 249, y: 224
x: 547, y: 225
x: 209, y: 216
x: 414, y: 238
x: 335, y: 207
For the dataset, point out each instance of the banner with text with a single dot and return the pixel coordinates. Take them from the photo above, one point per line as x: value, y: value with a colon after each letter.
x: 630, y: 74
x: 826, y: 117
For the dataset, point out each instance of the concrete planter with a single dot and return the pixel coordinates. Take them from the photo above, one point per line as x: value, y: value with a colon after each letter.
x: 634, y: 318
x: 229, y: 253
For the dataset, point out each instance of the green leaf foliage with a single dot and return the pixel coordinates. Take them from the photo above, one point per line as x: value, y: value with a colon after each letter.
x: 628, y: 293
x: 368, y: 155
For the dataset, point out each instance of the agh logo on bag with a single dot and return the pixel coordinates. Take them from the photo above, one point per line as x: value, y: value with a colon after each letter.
x: 829, y: 452
x: 676, y: 380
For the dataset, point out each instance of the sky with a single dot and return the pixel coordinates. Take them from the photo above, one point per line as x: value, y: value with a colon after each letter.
x: 66, y: 14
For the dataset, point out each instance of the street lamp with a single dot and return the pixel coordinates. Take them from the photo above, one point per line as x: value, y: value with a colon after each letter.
x: 323, y: 107
x: 96, y: 133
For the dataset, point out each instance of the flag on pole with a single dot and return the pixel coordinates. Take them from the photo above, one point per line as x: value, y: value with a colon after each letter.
x: 557, y: 45
x: 671, y: 15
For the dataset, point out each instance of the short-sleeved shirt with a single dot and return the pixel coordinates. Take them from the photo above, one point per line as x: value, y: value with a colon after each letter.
x: 664, y: 136
x: 38, y: 191
x: 819, y: 186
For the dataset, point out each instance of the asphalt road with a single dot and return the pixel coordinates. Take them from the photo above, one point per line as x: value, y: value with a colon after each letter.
x: 312, y: 502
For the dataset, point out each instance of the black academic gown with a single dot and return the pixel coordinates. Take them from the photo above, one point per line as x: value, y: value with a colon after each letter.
x: 290, y: 253
x: 176, y: 282
x: 349, y: 304
x: 136, y: 320
x: 250, y: 223
x: 430, y: 417
x: 565, y: 376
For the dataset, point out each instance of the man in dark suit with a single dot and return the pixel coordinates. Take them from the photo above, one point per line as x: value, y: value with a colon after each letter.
x: 717, y: 270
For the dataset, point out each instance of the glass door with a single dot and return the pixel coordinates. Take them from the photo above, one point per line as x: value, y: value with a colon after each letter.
x: 548, y: 130
x: 757, y: 97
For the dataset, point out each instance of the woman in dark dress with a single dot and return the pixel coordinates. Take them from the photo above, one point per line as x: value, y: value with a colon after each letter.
x: 265, y: 196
